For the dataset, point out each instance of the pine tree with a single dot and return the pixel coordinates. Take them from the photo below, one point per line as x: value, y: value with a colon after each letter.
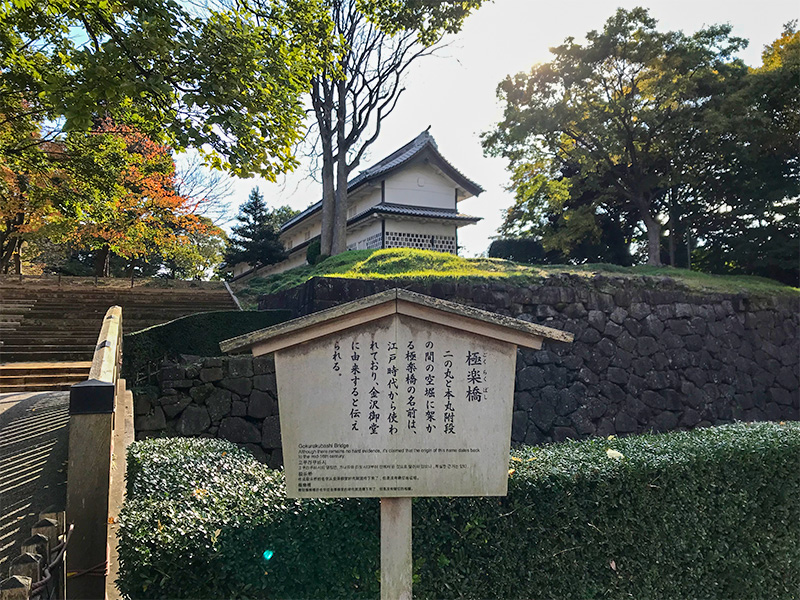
x: 255, y: 240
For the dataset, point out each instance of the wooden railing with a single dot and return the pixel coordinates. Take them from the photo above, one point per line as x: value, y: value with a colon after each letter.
x: 100, y: 429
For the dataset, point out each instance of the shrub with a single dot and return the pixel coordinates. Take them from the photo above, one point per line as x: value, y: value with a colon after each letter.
x: 711, y: 513
x: 198, y: 334
x: 313, y: 254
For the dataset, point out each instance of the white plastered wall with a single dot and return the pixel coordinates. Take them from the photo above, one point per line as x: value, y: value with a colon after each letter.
x: 365, y: 238
x: 420, y: 185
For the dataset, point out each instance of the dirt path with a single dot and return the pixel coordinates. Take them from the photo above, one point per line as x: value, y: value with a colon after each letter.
x: 34, y: 431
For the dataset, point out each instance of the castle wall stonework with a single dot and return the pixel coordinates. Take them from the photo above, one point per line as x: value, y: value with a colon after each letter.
x: 649, y: 355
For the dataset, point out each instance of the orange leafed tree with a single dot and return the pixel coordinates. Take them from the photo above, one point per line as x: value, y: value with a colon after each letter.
x: 121, y: 197
x: 28, y: 170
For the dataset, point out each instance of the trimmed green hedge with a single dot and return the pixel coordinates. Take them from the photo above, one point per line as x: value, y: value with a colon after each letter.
x: 198, y: 334
x: 712, y: 513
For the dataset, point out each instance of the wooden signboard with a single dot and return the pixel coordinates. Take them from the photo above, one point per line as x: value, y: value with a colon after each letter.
x: 395, y: 396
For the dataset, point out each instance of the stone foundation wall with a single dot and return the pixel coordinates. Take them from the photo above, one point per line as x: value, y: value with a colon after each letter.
x: 234, y: 398
x: 649, y: 355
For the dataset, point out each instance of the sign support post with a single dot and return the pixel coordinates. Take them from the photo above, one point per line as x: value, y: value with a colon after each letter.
x: 396, y: 565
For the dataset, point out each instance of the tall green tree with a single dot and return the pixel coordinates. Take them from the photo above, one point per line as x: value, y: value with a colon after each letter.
x: 621, y: 114
x: 750, y: 188
x: 225, y: 81
x: 255, y: 240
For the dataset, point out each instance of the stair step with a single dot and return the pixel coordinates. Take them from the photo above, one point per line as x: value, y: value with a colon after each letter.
x: 44, y: 368
x: 33, y: 356
x: 7, y: 380
x: 37, y: 387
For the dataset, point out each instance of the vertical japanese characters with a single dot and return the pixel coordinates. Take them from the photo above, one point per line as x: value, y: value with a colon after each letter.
x: 411, y: 384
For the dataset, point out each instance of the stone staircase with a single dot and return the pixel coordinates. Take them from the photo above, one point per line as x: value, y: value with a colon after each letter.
x: 48, y: 332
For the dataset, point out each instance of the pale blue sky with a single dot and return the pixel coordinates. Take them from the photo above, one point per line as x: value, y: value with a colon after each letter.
x: 454, y: 92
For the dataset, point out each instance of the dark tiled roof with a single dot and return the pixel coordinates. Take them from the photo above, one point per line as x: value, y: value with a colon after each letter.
x: 423, y: 142
x: 416, y: 211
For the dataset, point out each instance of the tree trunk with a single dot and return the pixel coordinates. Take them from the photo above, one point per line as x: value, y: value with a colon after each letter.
x: 322, y: 99
x: 339, y: 240
x: 17, y: 257
x: 653, y: 239
x: 672, y: 232
x: 101, y: 261
x: 328, y: 195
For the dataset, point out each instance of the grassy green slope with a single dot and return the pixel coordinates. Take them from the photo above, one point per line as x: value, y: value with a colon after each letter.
x: 404, y: 263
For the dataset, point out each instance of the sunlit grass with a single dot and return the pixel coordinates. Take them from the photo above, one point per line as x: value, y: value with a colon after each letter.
x: 408, y: 264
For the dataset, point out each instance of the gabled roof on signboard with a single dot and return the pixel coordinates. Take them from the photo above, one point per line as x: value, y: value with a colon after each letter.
x: 422, y: 146
x: 395, y: 301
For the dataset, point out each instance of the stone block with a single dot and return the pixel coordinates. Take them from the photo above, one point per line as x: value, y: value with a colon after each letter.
x: 627, y: 342
x: 636, y: 385
x: 656, y: 380
x: 211, y: 374
x: 590, y: 336
x: 533, y: 436
x: 690, y: 418
x: 271, y: 433
x: 240, y: 366
x: 680, y: 327
x: 617, y: 375
x: 783, y: 397
x: 193, y: 421
x: 219, y: 404
x: 586, y: 375
x: 773, y: 411
x: 257, y: 452
x: 625, y: 423
x: 213, y: 362
x: 261, y: 405
x: 239, y: 431
x: 275, y: 459
x: 652, y: 326
x: 263, y: 365
x: 646, y: 346
x: 654, y: 400
x: 523, y: 401
x: 171, y: 373
x: 238, y: 409
x: 141, y: 405
x: 154, y: 421
x: 177, y: 384
x: 542, y: 415
x: 265, y: 383
x: 642, y: 366
x: 666, y: 421
x: 788, y: 379
x: 633, y: 327
x: 201, y: 392
x: 639, y: 310
x: 597, y: 319
x: 606, y: 347
x: 240, y: 385
x: 564, y: 433
x: 566, y: 403
x: 530, y: 378
x: 519, y: 424
x: 613, y: 330
x: 174, y: 405
x: 618, y: 315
